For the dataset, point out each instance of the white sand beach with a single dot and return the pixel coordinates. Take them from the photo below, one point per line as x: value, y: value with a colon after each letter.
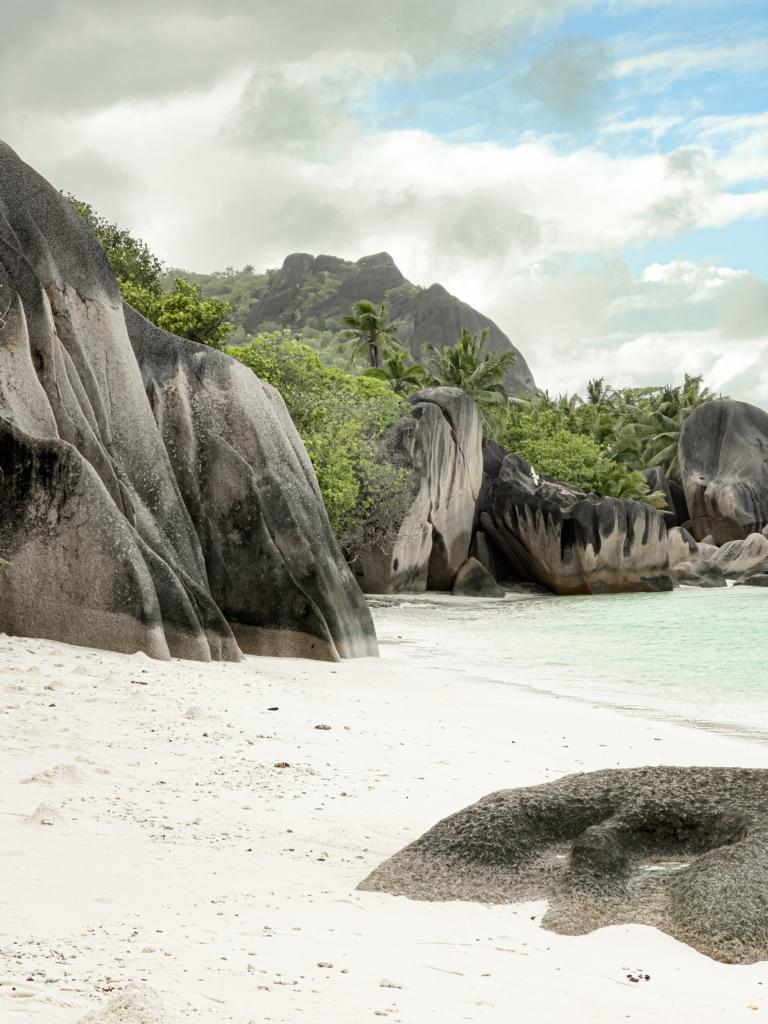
x: 175, y: 851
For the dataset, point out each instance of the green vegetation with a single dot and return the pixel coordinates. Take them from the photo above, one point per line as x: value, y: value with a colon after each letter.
x: 402, y: 375
x: 182, y: 310
x: 480, y: 374
x: 603, y: 443
x: 369, y: 332
x: 600, y: 443
x: 342, y: 420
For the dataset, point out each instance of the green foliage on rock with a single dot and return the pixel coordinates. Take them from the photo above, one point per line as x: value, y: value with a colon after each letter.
x: 342, y: 420
x: 553, y: 450
x: 131, y: 259
x: 602, y: 444
x: 467, y: 365
x: 182, y: 310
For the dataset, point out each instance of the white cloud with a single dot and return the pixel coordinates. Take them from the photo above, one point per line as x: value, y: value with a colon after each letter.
x: 663, y: 66
x: 234, y: 138
x: 675, y: 318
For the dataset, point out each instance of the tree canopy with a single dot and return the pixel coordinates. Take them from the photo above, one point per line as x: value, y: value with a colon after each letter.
x: 181, y: 309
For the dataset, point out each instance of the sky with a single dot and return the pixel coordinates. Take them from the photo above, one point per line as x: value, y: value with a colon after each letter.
x: 592, y: 175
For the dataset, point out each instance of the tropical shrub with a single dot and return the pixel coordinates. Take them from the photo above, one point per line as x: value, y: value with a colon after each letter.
x: 342, y: 420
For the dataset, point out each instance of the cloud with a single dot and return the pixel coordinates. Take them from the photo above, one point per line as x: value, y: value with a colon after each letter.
x: 663, y: 66
x: 574, y: 323
x: 83, y: 55
x: 571, y: 80
x: 236, y: 134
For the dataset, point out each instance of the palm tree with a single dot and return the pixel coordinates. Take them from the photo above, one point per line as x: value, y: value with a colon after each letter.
x: 369, y: 332
x: 673, y: 407
x: 402, y: 378
x: 598, y: 391
x: 477, y: 372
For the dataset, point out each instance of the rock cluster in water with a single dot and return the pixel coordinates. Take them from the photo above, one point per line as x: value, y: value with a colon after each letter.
x: 153, y: 492
x: 682, y: 849
x: 572, y: 543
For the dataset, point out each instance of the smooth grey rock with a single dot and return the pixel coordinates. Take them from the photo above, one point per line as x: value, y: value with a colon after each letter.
x: 427, y: 314
x: 699, y: 573
x: 760, y: 579
x: 681, y: 547
x: 724, y: 468
x: 98, y: 544
x: 677, y: 508
x: 555, y: 535
x: 441, y: 441
x: 684, y: 850
x: 474, y: 580
x: 273, y: 564
x: 737, y: 558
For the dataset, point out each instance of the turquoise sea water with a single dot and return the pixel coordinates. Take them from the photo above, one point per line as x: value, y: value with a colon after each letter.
x: 692, y: 654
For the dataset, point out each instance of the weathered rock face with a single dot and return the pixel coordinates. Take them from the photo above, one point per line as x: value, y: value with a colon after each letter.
x: 676, y: 512
x: 474, y: 580
x: 583, y: 843
x: 699, y: 572
x: 441, y: 441
x: 572, y: 543
x: 98, y: 544
x: 740, y: 558
x: 273, y: 565
x: 724, y: 468
x: 427, y: 314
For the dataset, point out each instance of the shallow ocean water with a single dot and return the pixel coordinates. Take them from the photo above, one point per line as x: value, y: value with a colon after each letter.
x: 693, y: 654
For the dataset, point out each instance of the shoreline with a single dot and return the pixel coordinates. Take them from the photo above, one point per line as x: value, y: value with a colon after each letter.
x: 185, y: 858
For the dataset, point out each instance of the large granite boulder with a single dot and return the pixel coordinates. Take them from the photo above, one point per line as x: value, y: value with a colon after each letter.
x: 440, y: 440
x: 570, y: 542
x: 681, y: 849
x: 316, y: 291
x: 245, y: 478
x: 724, y: 468
x: 676, y: 512
x: 101, y: 501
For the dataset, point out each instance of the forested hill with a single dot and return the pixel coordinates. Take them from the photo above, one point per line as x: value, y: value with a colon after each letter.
x: 309, y: 294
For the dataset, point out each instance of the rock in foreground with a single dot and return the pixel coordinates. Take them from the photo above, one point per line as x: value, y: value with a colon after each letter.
x: 724, y: 469
x: 682, y: 849
x: 133, y: 532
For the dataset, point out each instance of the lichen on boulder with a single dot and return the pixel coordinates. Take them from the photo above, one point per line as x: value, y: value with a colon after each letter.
x: 682, y: 849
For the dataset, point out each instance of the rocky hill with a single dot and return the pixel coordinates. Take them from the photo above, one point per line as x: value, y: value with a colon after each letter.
x: 310, y: 293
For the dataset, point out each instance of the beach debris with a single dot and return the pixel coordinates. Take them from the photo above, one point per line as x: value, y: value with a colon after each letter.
x: 324, y: 728
x: 138, y: 1003
x: 44, y: 814
x: 282, y: 764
